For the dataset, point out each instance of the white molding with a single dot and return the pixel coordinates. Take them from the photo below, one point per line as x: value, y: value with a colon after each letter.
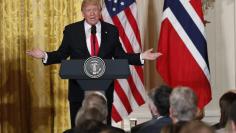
x: 212, y: 113
x: 211, y: 116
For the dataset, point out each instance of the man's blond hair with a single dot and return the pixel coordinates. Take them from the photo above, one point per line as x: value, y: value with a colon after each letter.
x: 93, y: 2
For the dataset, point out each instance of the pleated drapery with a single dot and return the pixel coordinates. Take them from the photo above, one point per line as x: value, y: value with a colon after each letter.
x: 33, y: 97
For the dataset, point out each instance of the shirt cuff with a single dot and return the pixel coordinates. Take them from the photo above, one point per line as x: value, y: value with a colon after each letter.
x: 141, y: 59
x: 45, y: 59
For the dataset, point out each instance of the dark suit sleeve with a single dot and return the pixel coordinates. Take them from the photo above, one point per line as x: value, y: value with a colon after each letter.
x: 62, y: 52
x: 119, y: 53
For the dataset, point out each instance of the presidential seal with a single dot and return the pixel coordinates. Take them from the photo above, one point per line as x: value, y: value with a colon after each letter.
x: 94, y: 67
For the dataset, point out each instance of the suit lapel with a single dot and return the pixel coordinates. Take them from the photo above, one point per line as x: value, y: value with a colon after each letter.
x: 83, y: 42
x: 104, y: 33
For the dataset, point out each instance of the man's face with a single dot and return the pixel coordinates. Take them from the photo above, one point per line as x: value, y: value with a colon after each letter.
x: 91, y: 13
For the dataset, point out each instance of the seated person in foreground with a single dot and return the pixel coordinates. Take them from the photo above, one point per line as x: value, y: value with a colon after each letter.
x: 94, y: 108
x: 161, y: 101
x: 183, y: 108
x: 231, y: 128
x: 225, y: 103
x: 196, y: 126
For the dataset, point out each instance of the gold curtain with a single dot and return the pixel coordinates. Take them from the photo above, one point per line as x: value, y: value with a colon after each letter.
x: 151, y: 12
x: 33, y: 97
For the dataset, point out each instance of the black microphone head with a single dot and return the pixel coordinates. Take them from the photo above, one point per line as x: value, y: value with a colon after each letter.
x: 93, y: 29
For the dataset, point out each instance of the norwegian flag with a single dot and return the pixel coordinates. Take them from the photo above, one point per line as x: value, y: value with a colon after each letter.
x: 129, y: 93
x: 182, y: 42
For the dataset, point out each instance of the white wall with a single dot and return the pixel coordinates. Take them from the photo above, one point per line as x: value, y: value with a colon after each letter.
x: 221, y: 50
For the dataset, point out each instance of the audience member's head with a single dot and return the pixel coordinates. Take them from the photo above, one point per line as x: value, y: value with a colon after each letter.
x: 173, y: 128
x: 225, y: 104
x: 196, y: 127
x: 94, y: 98
x: 161, y: 100
x: 97, y: 100
x: 94, y: 107
x: 151, y: 105
x: 110, y: 130
x: 183, y: 104
x: 232, y: 119
x: 89, y: 114
x: 90, y: 126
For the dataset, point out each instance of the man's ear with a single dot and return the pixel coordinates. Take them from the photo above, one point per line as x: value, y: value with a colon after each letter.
x: 152, y: 108
x: 171, y: 112
x: 82, y: 14
x: 174, y: 119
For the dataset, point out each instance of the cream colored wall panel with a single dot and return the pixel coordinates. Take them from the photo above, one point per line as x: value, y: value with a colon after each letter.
x: 221, y: 49
x: 142, y: 17
x: 225, y: 44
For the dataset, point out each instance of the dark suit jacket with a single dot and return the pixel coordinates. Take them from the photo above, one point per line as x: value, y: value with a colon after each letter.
x: 136, y: 128
x: 155, y: 125
x: 74, y: 46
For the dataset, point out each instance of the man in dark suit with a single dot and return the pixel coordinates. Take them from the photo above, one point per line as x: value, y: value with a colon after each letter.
x: 161, y: 101
x: 77, y: 44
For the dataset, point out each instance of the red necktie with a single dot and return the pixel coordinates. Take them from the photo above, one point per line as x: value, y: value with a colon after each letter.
x: 94, y: 49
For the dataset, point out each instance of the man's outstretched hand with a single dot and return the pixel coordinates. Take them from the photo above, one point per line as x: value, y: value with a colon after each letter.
x: 36, y: 53
x: 149, y: 55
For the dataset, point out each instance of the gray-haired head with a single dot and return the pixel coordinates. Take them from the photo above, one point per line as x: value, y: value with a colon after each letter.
x: 94, y: 101
x: 183, y: 104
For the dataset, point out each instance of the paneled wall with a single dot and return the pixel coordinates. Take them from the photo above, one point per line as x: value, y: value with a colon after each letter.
x: 221, y: 51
